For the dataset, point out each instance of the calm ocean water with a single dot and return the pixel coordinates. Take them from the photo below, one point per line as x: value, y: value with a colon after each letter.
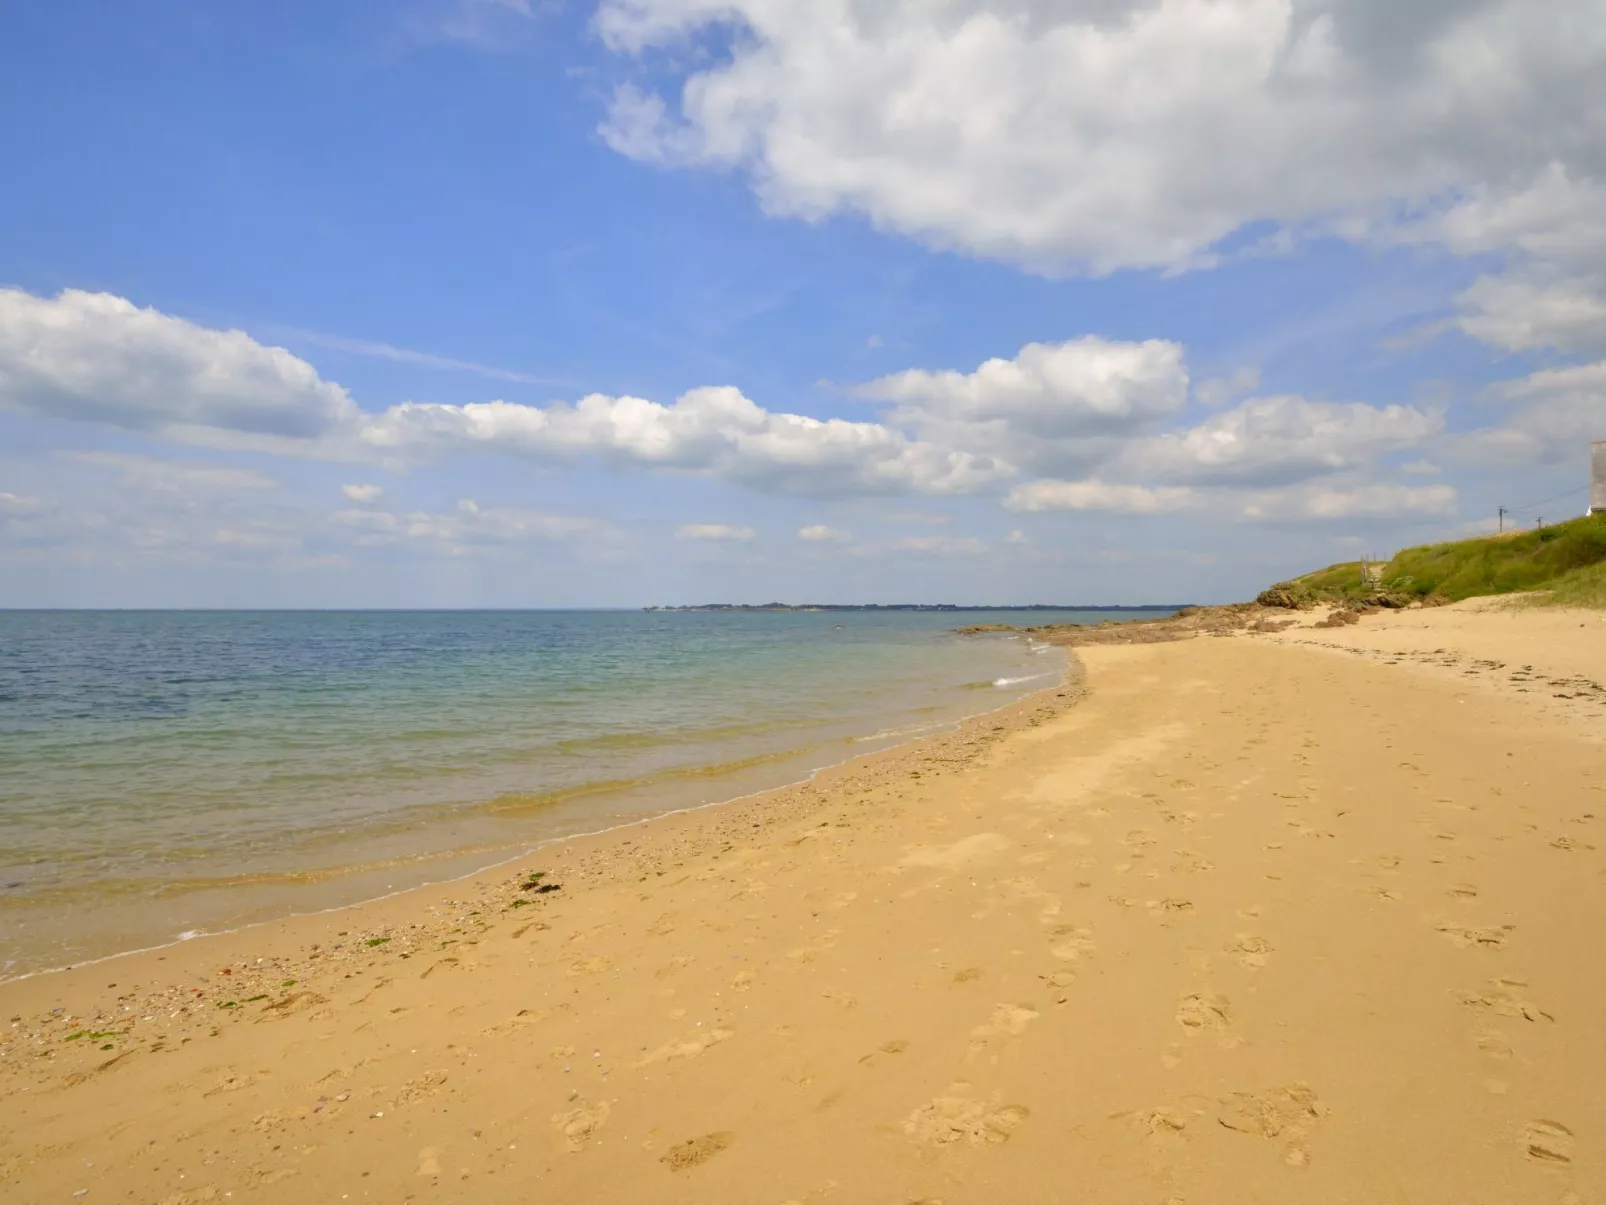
x: 170, y: 772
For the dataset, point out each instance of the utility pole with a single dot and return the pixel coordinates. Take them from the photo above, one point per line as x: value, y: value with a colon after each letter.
x: 1502, y: 519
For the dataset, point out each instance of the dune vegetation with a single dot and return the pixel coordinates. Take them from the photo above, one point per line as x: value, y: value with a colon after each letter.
x: 1563, y: 564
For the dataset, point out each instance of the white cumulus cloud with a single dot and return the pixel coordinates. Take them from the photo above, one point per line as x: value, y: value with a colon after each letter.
x: 154, y: 474
x: 1272, y: 440
x: 1521, y: 312
x: 1551, y: 232
x: 713, y: 431
x: 100, y: 358
x: 1052, y: 408
x: 97, y: 357
x: 1118, y: 497
x: 939, y: 545
x: 1099, y: 134
x: 1082, y: 385
x: 19, y: 504
x: 1296, y: 504
x: 1375, y: 501
x: 1076, y: 425
x: 820, y: 533
x: 1550, y: 418
x: 715, y: 532
x: 469, y: 526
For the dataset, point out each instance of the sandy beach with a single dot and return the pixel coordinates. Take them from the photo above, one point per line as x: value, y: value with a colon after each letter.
x: 1308, y: 916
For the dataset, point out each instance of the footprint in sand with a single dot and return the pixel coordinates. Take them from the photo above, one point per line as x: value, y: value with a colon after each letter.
x: 1199, y: 1012
x: 1161, y: 1125
x: 1487, y: 937
x: 296, y: 1002
x: 1547, y: 1142
x: 1169, y: 909
x: 896, y: 1046
x: 958, y: 1116
x: 1288, y: 1113
x: 690, y: 1047
x: 742, y: 981
x: 1505, y: 997
x: 429, y: 1163
x: 1464, y: 891
x: 1071, y: 943
x: 1191, y: 861
x: 1008, y: 1021
x: 523, y: 1018
x: 819, y: 945
x: 427, y: 1084
x: 1273, y: 1112
x: 1250, y: 950
x: 968, y: 975
x: 1492, y: 1044
x: 696, y: 1150
x: 578, y: 1124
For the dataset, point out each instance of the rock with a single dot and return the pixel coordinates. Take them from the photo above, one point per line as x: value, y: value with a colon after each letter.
x: 1284, y: 597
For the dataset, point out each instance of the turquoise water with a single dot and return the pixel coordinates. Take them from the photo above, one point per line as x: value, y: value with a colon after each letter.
x: 170, y: 772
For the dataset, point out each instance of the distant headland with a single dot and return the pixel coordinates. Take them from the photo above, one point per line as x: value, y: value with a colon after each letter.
x: 779, y: 606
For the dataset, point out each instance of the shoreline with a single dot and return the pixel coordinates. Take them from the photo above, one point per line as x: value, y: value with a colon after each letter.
x: 943, y: 728
x: 888, y: 756
x: 385, y: 853
x: 1225, y: 919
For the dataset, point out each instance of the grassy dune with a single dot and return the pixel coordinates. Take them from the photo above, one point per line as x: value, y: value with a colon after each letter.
x: 1563, y: 564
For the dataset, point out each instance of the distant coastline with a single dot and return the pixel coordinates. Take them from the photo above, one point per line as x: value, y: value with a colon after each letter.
x: 777, y: 606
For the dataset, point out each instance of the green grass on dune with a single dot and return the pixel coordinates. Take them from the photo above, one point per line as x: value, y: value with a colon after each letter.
x: 1342, y: 580
x: 1530, y: 560
x: 1567, y: 561
x: 1584, y: 587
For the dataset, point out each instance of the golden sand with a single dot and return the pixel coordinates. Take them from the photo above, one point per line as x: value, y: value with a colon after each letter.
x: 1313, y: 916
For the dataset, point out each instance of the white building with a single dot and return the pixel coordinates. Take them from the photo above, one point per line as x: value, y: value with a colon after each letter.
x: 1597, y: 477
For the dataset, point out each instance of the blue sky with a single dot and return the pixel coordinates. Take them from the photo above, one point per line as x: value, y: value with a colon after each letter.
x: 1296, y: 294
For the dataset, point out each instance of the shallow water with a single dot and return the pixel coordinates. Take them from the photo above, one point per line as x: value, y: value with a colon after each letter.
x: 167, y: 772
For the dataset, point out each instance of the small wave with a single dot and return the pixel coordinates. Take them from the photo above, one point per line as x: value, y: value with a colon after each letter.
x: 889, y: 733
x: 1018, y: 681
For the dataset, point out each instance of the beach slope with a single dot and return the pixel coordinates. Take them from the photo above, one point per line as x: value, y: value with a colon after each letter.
x: 1312, y: 916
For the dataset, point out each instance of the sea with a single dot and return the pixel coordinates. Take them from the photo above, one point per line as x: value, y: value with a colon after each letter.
x: 170, y: 773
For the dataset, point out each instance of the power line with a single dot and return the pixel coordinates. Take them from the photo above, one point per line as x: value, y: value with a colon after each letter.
x: 1546, y: 501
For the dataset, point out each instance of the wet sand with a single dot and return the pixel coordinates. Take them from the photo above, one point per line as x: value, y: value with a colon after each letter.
x: 1303, y: 916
